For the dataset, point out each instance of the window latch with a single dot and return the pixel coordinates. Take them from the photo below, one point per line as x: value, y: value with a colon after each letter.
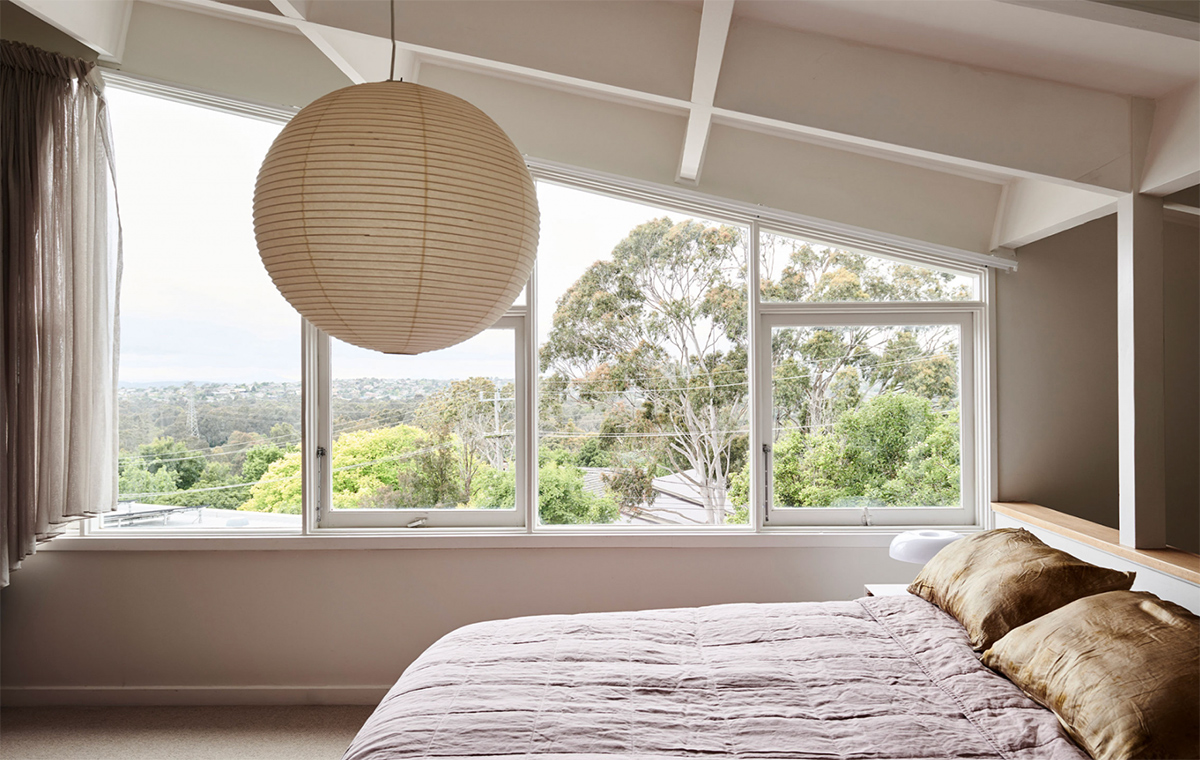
x: 417, y: 522
x: 766, y: 483
x: 320, y: 480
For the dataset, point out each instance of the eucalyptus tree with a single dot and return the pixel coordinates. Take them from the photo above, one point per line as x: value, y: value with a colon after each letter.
x: 657, y: 337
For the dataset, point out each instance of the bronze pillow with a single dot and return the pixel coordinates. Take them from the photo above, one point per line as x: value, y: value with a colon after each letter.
x: 997, y: 580
x: 1120, y: 670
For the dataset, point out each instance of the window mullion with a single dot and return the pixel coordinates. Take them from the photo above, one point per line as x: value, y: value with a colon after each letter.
x: 315, y: 426
x: 758, y: 385
x: 527, y: 460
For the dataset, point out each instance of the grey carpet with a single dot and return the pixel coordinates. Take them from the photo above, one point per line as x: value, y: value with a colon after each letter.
x: 178, y: 733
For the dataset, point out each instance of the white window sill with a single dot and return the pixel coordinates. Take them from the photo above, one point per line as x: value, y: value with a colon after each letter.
x: 425, y: 538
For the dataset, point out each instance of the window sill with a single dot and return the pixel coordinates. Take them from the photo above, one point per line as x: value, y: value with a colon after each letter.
x: 425, y: 538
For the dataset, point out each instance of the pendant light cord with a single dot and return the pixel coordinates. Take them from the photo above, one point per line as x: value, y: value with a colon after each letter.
x: 392, y: 67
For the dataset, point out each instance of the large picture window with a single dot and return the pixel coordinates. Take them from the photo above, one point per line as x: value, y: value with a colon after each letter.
x: 675, y: 364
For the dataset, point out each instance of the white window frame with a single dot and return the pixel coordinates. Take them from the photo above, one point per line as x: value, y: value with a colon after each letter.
x: 454, y: 527
x: 318, y: 451
x: 965, y: 316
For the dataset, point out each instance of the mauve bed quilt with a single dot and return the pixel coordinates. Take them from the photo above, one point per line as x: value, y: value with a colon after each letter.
x: 880, y: 677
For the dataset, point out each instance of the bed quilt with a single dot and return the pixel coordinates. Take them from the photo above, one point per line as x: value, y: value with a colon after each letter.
x: 880, y: 677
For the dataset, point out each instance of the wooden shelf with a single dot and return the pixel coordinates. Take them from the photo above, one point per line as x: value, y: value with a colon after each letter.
x: 1172, y: 561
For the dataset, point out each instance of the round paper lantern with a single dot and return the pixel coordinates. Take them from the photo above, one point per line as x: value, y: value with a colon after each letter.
x: 396, y: 217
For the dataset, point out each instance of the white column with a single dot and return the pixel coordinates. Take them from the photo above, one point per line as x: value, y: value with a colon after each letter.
x: 1140, y: 391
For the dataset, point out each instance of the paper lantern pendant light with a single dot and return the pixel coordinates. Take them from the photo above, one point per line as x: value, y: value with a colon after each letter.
x: 396, y: 217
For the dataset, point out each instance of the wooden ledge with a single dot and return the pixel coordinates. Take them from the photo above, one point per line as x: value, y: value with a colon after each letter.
x: 1176, y: 562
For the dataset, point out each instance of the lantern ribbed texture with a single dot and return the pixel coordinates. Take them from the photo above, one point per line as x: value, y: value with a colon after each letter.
x: 396, y: 217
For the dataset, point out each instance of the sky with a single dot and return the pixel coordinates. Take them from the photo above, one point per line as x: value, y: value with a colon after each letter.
x: 196, y: 302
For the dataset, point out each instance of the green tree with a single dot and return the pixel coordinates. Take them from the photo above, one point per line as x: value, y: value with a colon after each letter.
x: 656, y: 336
x: 279, y: 488
x: 479, y: 416
x: 562, y: 499
x: 896, y: 450
x: 257, y: 460
x: 389, y: 467
x: 175, y: 456
x: 820, y: 373
x: 217, y: 488
x: 138, y: 483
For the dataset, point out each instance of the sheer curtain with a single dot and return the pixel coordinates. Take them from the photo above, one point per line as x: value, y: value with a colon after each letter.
x: 58, y: 299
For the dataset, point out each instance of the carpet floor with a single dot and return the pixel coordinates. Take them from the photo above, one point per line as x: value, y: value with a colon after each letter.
x: 178, y: 733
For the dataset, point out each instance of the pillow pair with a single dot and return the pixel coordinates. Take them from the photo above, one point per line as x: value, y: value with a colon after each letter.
x: 1120, y: 669
x: 997, y: 580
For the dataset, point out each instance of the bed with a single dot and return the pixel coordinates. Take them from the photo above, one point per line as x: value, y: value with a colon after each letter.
x: 878, y: 677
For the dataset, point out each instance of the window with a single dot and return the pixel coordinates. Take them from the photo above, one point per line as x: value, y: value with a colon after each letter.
x: 209, y: 395
x: 867, y: 375
x: 674, y: 364
x: 426, y: 440
x: 643, y: 395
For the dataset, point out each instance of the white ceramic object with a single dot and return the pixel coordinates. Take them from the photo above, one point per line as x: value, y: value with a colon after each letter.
x: 919, y: 546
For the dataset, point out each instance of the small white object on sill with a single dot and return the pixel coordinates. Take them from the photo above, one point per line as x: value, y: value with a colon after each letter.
x: 919, y: 546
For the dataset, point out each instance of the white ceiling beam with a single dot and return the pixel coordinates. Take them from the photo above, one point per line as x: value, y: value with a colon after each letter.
x: 871, y: 101
x: 366, y: 54
x: 99, y: 24
x: 1173, y: 154
x: 710, y: 49
x: 296, y: 10
x: 1033, y: 209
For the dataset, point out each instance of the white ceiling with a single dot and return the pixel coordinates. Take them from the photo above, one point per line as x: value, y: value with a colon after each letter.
x: 1099, y: 44
x: 1035, y: 40
x: 899, y: 116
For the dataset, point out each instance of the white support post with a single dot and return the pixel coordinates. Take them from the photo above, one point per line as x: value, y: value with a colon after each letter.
x: 1140, y: 390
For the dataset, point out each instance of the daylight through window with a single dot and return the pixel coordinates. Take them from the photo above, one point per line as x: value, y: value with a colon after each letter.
x: 662, y: 370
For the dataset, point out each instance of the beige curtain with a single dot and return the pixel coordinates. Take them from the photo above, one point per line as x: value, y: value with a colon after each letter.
x: 58, y: 299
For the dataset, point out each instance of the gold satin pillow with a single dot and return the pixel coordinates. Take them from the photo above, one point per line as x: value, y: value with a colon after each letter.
x: 1120, y: 670
x: 994, y: 581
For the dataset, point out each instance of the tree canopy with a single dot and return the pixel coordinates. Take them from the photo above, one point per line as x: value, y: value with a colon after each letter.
x: 643, y: 382
x: 657, y: 336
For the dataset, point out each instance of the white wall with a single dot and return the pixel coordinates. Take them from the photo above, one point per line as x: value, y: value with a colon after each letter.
x: 300, y: 622
x: 1057, y: 376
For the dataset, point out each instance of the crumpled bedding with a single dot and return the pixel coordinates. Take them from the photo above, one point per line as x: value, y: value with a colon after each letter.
x: 881, y: 677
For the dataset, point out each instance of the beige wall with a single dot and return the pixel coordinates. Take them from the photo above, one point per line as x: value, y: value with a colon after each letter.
x: 18, y: 24
x: 293, y: 619
x: 1057, y: 376
x: 1181, y: 325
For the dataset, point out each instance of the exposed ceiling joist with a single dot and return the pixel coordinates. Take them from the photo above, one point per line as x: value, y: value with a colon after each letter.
x: 99, y: 24
x: 1031, y: 209
x: 296, y: 10
x: 710, y: 49
x: 962, y: 122
x: 1173, y: 153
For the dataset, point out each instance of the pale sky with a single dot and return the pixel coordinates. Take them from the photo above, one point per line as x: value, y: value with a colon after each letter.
x: 197, y: 304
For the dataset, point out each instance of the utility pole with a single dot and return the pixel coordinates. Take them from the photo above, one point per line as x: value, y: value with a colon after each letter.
x: 193, y: 425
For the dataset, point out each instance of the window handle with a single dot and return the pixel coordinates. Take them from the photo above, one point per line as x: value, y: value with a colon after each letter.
x: 766, y: 483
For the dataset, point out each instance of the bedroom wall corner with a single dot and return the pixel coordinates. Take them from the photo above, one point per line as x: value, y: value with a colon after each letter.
x: 1057, y: 376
